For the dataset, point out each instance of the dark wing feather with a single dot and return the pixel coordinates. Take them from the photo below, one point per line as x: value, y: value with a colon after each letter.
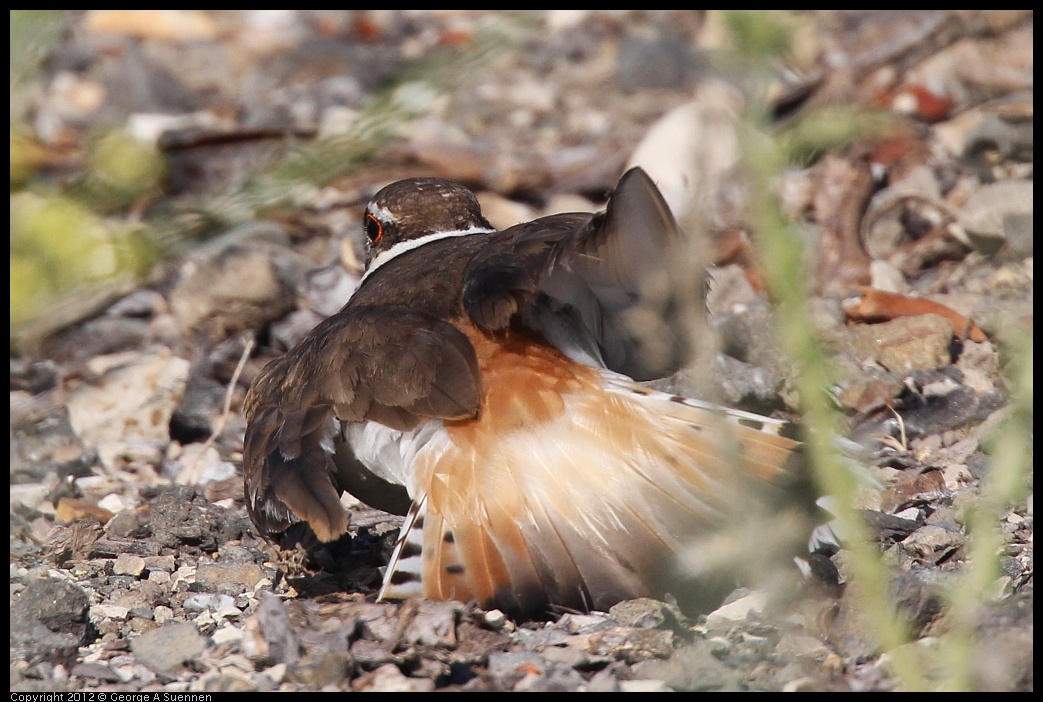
x: 607, y: 289
x: 388, y: 365
x: 504, y: 279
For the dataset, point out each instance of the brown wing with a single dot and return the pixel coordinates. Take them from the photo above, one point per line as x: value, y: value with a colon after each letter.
x: 382, y: 364
x: 606, y: 289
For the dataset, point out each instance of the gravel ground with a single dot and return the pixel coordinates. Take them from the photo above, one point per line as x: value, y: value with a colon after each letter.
x: 134, y: 566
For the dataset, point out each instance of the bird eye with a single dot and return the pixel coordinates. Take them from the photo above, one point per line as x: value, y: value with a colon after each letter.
x: 374, y: 229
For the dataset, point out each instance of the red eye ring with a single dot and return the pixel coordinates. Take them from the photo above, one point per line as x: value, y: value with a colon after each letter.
x: 374, y: 229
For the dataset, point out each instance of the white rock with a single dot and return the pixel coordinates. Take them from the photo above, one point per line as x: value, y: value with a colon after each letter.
x: 162, y: 614
x: 132, y: 402
x: 227, y: 634
x: 115, y: 503
x: 109, y: 611
x: 737, y: 610
x: 688, y: 150
x: 644, y: 686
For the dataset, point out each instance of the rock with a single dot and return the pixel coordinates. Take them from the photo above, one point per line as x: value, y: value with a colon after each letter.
x: 202, y: 466
x: 431, y: 623
x: 96, y: 337
x: 327, y: 288
x: 133, y: 401
x: 238, y: 577
x: 95, y: 671
x: 902, y: 344
x: 1000, y: 213
x: 912, y: 489
x: 691, y: 668
x: 509, y: 668
x: 688, y: 151
x: 932, y: 543
x: 643, y: 686
x: 324, y: 668
x: 202, y: 602
x: 181, y: 517
x: 736, y: 610
x: 110, y: 611
x: 655, y: 60
x: 48, y: 622
x: 1004, y: 657
x: 647, y: 614
x: 168, y: 648
x: 388, y: 678
x: 269, y: 636
x: 70, y: 510
x: 129, y: 564
x: 627, y: 643
x: 236, y: 289
x: 44, y: 442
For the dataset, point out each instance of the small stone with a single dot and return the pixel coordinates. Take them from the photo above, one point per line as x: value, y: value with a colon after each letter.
x: 127, y: 564
x: 930, y: 542
x: 48, y: 621
x: 691, y: 668
x: 162, y: 614
x: 643, y: 686
x: 433, y: 624
x: 96, y: 671
x: 630, y: 644
x: 565, y: 655
x: 584, y: 623
x: 494, y: 619
x: 991, y: 216
x: 209, y: 603
x: 516, y: 664
x: 902, y: 344
x: 388, y: 678
x: 109, y: 611
x: 647, y: 614
x: 131, y: 403
x: 228, y: 576
x: 322, y: 668
x: 736, y: 610
x: 167, y: 649
x: 160, y: 563
x: 237, y: 289
x: 227, y: 634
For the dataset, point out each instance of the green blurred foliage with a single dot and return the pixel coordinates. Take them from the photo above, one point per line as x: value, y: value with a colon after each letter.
x: 60, y: 247
x: 77, y: 233
x: 120, y: 171
x: 27, y: 156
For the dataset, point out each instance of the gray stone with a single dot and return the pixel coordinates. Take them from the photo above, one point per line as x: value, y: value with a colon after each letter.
x: 168, y: 648
x: 691, y: 668
x: 48, y: 621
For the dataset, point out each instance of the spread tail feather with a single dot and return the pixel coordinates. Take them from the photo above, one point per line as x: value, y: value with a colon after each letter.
x: 593, y: 507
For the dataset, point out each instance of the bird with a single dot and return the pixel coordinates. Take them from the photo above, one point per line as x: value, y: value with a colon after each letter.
x: 488, y: 386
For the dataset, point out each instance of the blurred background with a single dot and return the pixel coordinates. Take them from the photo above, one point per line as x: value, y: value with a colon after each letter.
x: 186, y: 190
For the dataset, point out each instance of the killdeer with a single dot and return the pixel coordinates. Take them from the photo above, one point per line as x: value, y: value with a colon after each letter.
x: 483, y: 384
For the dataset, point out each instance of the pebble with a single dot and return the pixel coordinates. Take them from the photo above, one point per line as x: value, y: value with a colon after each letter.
x: 643, y: 686
x: 388, y: 678
x: 736, y: 610
x: 127, y: 564
x: 238, y: 577
x: 168, y: 648
x: 109, y: 611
